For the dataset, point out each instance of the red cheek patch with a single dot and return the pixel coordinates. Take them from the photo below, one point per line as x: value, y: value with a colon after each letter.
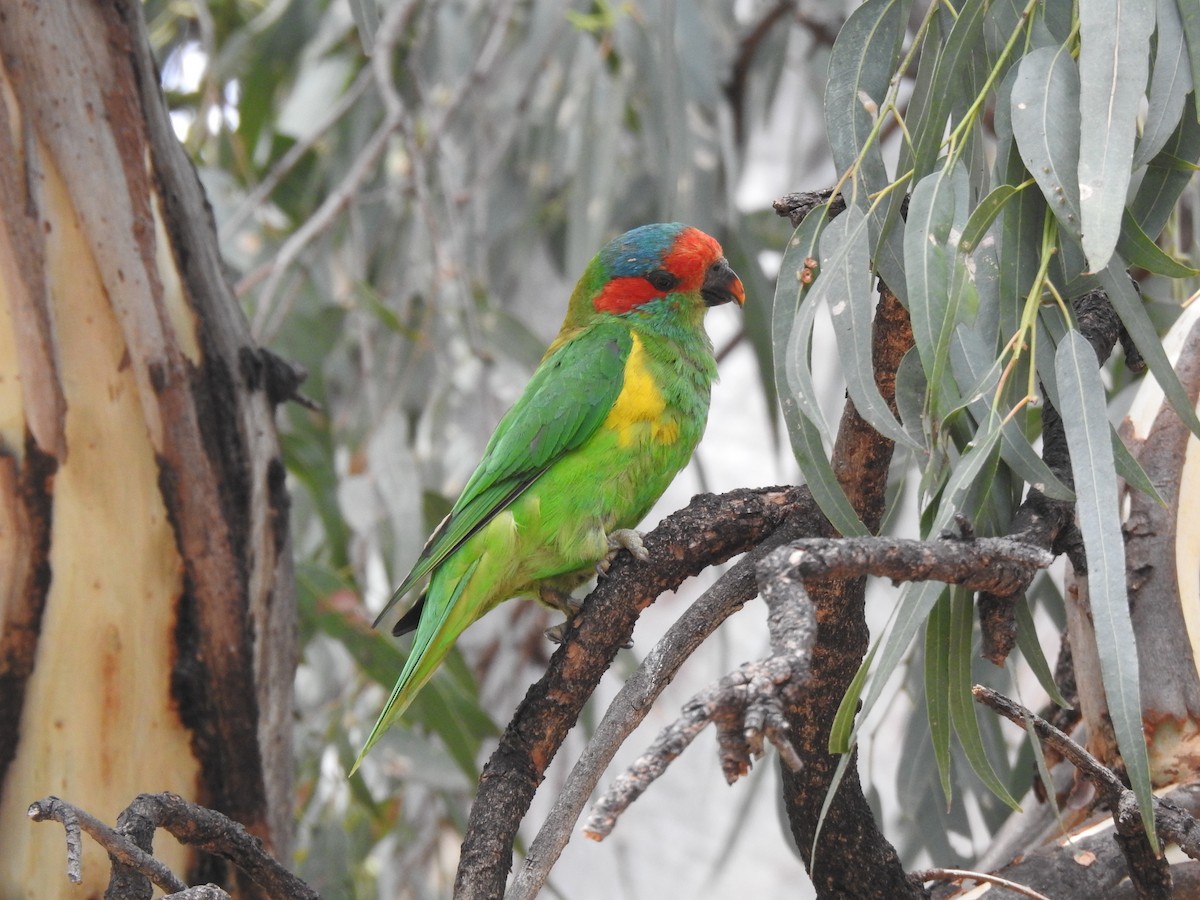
x: 622, y: 294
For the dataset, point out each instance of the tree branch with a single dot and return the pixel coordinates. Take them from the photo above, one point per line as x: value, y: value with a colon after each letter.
x: 636, y: 697
x: 710, y: 530
x: 1000, y: 565
x: 191, y: 824
x: 1148, y: 871
x: 120, y: 848
x: 746, y: 706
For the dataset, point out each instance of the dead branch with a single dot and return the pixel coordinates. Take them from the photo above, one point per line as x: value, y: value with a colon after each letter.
x: 940, y: 874
x: 1148, y: 871
x: 1000, y: 565
x: 120, y: 848
x: 191, y: 824
x: 746, y: 706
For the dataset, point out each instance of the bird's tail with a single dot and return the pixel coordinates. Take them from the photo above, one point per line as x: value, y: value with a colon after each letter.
x: 435, y: 636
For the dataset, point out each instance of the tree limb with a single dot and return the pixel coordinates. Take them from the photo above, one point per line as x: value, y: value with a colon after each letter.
x: 854, y: 857
x: 1000, y: 565
x: 1147, y: 870
x: 746, y: 706
x: 710, y: 530
x: 191, y: 824
x: 120, y: 848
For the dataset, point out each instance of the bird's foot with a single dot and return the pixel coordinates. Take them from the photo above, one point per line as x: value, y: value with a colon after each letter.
x: 622, y: 539
x: 556, y: 598
x: 556, y: 634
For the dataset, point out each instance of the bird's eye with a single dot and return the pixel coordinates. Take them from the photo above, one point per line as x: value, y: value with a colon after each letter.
x: 662, y: 280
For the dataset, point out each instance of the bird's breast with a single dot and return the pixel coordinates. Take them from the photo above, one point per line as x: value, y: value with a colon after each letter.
x: 640, y: 411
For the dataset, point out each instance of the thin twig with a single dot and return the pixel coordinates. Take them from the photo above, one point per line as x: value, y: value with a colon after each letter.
x: 941, y: 874
x: 253, y: 200
x: 116, y: 845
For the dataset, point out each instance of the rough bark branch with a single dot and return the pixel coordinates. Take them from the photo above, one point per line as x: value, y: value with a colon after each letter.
x: 121, y: 849
x: 853, y: 858
x: 710, y: 530
x: 1000, y: 565
x: 747, y: 705
x: 637, y: 695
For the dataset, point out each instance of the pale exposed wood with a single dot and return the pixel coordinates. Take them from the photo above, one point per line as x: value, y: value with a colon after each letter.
x: 146, y: 614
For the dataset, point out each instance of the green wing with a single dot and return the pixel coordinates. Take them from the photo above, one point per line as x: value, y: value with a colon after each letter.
x: 570, y: 394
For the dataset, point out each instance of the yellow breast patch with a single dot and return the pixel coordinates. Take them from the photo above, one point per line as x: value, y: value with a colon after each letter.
x: 639, y: 409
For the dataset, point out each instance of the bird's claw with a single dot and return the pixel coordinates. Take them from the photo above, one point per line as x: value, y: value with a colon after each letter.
x: 556, y: 634
x: 560, y: 600
x: 622, y: 539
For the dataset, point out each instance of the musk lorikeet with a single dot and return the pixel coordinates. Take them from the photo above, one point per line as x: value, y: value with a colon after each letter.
x: 612, y: 413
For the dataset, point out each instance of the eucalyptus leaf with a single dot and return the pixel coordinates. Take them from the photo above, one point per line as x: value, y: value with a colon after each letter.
x: 961, y: 702
x: 937, y: 274
x: 845, y: 283
x: 1085, y: 420
x: 860, y: 70
x: 1168, y: 174
x: 1127, y: 465
x: 986, y: 213
x: 1170, y: 83
x: 964, y: 45
x: 1113, y: 68
x: 968, y: 356
x: 1137, y: 249
x: 1129, y: 307
x: 1045, y: 123
x: 1031, y: 649
x: 793, y: 314
x: 938, y: 688
x: 1189, y: 15
x: 792, y: 319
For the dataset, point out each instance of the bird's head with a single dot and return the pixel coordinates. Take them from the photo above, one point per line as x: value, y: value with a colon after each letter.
x: 653, y: 263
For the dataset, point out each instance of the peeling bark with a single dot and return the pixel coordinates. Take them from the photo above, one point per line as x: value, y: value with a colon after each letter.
x: 148, y: 637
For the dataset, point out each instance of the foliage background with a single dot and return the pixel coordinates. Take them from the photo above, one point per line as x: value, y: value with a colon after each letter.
x: 407, y: 226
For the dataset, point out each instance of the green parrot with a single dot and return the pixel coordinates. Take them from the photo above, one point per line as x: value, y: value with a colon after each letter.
x: 613, y: 412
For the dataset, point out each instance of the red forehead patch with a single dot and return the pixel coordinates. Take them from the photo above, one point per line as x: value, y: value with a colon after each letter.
x: 690, y: 256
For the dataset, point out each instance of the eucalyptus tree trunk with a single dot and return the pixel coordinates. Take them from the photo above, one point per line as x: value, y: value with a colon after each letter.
x: 147, y: 620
